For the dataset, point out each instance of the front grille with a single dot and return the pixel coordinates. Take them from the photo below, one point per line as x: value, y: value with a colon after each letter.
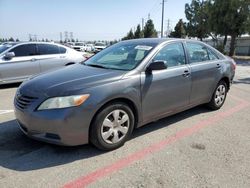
x: 23, y: 102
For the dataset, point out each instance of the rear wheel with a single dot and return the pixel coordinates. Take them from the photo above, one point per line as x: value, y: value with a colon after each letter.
x: 112, y: 126
x: 219, y: 96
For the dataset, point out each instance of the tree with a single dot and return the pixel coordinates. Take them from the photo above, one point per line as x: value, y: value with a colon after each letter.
x: 238, y: 16
x: 229, y: 17
x: 130, y: 35
x: 113, y: 42
x: 17, y: 40
x: 11, y: 39
x: 197, y: 16
x: 149, y: 29
x: 138, y: 32
x: 217, y: 22
x: 179, y: 30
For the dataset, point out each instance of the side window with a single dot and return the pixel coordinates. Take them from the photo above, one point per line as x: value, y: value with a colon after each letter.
x: 62, y: 50
x: 211, y: 55
x: 24, y: 50
x: 197, y: 52
x: 173, y: 54
x: 47, y: 49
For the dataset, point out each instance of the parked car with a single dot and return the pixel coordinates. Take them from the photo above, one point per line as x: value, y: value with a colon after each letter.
x: 79, y: 46
x: 90, y: 48
x: 19, y: 61
x: 99, y: 46
x: 123, y: 87
x: 69, y: 44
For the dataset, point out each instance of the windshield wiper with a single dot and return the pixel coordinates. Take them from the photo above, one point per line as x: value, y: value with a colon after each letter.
x: 96, y: 65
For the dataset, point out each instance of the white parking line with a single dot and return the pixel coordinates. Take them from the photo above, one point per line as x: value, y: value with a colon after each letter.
x: 6, y: 111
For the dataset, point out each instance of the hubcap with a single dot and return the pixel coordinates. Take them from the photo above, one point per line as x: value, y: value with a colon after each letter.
x: 115, y: 126
x: 220, y: 95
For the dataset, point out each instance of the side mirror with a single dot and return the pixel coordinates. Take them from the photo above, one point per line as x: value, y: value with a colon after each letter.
x: 9, y: 55
x: 156, y: 65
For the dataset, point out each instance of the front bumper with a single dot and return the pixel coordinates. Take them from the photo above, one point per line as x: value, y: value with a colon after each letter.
x: 68, y: 126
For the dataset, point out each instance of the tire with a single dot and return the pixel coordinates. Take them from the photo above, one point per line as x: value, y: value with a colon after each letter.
x: 219, y: 96
x: 108, y: 134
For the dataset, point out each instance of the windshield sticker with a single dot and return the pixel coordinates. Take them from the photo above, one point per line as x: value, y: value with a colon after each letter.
x: 140, y: 47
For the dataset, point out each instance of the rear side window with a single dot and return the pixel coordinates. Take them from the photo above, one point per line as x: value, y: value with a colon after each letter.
x: 62, y: 50
x: 24, y: 50
x: 47, y: 49
x: 212, y: 55
x: 197, y: 52
x: 173, y: 54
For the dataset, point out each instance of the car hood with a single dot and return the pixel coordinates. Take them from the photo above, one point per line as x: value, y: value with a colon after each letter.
x: 69, y: 80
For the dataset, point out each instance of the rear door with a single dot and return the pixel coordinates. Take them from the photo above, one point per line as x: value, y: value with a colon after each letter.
x: 51, y: 56
x: 166, y: 90
x: 22, y: 66
x: 205, y: 70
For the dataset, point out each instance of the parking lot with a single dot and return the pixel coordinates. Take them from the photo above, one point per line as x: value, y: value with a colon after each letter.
x: 196, y: 148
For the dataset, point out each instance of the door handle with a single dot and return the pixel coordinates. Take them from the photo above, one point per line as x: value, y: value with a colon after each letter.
x: 186, y: 73
x: 218, y: 66
x: 33, y: 59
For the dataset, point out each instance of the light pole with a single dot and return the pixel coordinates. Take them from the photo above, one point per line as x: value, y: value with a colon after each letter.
x: 162, y: 18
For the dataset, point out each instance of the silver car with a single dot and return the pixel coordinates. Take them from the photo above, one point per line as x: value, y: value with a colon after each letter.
x: 19, y: 61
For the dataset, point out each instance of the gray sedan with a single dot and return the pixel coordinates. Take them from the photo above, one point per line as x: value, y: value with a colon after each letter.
x: 123, y: 87
x: 19, y: 61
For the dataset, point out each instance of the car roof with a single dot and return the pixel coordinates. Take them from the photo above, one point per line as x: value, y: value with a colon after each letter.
x: 31, y: 42
x: 154, y: 41
x: 35, y: 42
x: 157, y: 41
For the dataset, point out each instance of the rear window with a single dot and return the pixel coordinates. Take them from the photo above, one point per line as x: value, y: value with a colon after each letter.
x: 47, y: 49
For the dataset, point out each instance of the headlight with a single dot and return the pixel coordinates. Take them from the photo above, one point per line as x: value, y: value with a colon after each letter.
x: 63, y: 102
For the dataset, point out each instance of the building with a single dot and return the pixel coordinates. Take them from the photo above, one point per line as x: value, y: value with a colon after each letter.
x: 242, y: 45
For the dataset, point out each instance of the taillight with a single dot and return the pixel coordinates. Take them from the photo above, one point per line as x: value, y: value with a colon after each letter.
x: 233, y: 64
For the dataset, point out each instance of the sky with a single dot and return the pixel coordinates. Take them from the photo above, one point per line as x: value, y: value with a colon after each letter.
x: 87, y: 19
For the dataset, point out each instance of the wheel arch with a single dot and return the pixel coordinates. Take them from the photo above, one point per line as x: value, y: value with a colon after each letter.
x: 70, y: 63
x: 127, y: 101
x: 227, y: 81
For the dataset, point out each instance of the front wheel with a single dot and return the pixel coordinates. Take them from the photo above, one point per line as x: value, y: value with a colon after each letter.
x: 112, y: 126
x: 219, y: 96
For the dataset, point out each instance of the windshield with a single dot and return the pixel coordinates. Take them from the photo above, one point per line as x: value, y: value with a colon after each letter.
x: 121, y: 56
x: 99, y: 44
x: 79, y: 44
x: 4, y: 47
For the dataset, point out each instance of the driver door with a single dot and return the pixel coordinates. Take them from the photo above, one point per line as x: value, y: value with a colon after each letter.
x: 165, y: 91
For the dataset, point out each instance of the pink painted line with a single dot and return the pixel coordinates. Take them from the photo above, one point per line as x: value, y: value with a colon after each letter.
x: 126, y: 161
x: 238, y: 99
